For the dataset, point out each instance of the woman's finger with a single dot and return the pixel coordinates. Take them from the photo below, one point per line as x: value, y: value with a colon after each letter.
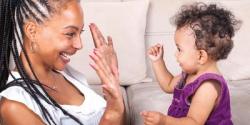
x: 98, y: 59
x: 98, y: 66
x: 99, y: 34
x: 110, y: 41
x: 99, y: 72
x: 98, y: 39
x: 103, y: 62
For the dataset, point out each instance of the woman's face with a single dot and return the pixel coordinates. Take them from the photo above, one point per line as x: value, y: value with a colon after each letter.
x: 59, y: 37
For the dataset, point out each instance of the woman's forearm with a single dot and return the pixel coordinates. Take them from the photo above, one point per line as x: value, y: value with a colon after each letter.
x: 112, y: 118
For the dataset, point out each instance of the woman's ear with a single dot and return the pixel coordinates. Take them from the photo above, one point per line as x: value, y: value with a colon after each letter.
x: 203, y: 56
x: 30, y: 30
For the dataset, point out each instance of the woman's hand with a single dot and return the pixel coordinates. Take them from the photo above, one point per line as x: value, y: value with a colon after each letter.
x: 155, y: 52
x: 153, y: 118
x: 106, y: 48
x: 106, y: 66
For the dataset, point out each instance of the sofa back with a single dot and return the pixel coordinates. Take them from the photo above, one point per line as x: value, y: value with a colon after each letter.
x: 159, y: 29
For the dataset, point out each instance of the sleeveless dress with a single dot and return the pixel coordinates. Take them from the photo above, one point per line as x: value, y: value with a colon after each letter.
x: 89, y: 112
x: 221, y: 114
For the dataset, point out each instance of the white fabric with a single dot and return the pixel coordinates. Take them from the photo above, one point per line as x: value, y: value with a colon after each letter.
x: 89, y: 112
x: 126, y: 23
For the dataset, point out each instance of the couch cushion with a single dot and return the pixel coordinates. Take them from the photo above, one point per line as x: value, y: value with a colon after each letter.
x: 240, y: 101
x: 149, y: 96
x: 146, y: 97
x: 237, y: 67
x: 98, y: 90
x: 126, y: 23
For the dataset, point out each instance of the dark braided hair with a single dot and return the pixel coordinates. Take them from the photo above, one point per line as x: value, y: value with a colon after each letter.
x: 213, y: 26
x: 13, y: 14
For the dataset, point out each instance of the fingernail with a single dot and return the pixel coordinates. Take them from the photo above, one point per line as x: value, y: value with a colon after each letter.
x: 92, y: 65
x: 92, y: 55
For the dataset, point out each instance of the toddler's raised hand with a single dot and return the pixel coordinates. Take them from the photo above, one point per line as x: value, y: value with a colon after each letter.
x: 155, y: 52
x: 153, y: 118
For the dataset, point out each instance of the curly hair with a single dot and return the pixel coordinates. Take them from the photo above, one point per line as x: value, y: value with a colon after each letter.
x: 213, y: 27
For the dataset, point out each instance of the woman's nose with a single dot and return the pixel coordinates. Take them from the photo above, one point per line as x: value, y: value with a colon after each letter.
x: 78, y: 43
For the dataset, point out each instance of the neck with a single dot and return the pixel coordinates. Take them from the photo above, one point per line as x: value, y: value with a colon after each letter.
x: 42, y: 72
x: 209, y: 67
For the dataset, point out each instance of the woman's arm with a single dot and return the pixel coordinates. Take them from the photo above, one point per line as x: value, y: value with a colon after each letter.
x: 15, y: 113
x: 106, y: 66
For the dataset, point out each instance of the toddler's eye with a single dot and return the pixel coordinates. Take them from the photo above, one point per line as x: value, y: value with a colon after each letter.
x: 179, y: 49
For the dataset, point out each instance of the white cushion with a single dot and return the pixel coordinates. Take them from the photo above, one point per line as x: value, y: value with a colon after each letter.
x: 126, y: 23
x: 237, y: 67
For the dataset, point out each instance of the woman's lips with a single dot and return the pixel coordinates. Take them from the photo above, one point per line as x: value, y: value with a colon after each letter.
x: 65, y: 57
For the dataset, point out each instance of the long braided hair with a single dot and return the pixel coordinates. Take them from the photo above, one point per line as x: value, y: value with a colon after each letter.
x: 13, y: 14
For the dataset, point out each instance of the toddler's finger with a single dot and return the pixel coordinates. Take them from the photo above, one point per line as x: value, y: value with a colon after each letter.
x: 158, y: 45
x: 150, y: 51
x: 156, y: 51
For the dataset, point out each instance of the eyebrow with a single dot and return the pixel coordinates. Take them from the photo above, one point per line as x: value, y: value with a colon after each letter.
x: 71, y: 26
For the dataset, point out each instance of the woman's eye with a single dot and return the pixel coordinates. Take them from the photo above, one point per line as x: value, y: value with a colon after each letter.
x: 70, y: 34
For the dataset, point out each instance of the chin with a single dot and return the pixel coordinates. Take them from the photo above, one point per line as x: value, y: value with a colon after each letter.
x: 60, y: 67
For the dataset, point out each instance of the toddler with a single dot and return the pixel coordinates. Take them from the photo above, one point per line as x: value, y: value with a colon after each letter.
x: 200, y: 93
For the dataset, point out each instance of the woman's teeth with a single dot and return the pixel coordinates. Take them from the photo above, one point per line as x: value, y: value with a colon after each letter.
x: 65, y: 56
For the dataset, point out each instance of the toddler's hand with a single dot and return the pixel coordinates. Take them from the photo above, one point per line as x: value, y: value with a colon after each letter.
x: 153, y: 118
x: 155, y: 52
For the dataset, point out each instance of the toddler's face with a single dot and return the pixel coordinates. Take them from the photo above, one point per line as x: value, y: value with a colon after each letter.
x: 187, y: 55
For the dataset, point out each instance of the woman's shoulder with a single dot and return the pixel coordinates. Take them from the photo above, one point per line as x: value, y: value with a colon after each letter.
x: 17, y: 96
x: 21, y: 96
x: 9, y: 109
x: 16, y: 93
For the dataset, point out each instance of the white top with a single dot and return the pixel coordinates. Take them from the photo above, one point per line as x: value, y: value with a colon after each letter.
x: 89, y: 112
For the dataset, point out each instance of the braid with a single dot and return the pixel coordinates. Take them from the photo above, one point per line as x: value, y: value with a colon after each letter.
x: 6, y: 35
x: 13, y: 15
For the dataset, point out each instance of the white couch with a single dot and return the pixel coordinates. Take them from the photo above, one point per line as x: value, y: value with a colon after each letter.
x: 137, y: 25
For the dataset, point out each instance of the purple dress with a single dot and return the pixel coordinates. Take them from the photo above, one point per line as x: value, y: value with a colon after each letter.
x: 221, y: 114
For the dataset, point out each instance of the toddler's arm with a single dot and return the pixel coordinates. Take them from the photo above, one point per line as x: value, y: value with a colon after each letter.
x: 166, y: 80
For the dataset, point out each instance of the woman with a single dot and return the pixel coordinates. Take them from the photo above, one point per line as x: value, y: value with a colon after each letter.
x: 40, y: 36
